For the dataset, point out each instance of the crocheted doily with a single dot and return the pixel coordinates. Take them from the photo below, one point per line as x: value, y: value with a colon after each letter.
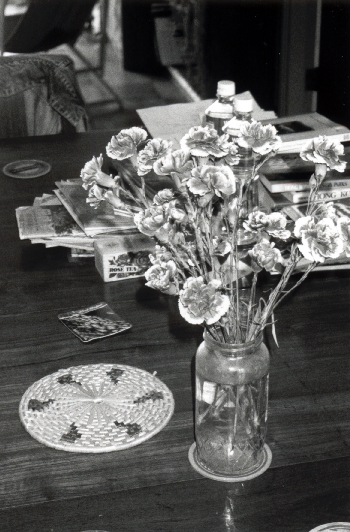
x: 96, y: 408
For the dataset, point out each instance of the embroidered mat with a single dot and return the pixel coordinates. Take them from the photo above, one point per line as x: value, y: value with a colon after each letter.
x: 96, y: 408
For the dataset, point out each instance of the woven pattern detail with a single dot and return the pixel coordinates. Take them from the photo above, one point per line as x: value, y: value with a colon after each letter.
x: 96, y: 408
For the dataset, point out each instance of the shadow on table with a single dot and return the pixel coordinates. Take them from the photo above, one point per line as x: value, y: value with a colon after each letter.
x: 178, y: 326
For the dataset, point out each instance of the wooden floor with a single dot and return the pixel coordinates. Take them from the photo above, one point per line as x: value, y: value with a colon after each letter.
x: 131, y: 90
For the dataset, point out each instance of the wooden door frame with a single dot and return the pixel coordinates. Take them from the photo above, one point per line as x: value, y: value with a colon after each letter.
x: 299, y: 56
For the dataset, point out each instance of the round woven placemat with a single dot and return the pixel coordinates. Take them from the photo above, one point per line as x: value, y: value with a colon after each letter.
x: 96, y: 408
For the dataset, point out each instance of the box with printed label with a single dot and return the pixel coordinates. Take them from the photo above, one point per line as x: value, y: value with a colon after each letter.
x: 123, y: 256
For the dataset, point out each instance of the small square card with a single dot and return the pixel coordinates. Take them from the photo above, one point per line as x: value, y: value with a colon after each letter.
x: 93, y: 323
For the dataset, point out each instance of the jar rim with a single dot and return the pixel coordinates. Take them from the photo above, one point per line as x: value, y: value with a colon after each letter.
x: 232, y: 346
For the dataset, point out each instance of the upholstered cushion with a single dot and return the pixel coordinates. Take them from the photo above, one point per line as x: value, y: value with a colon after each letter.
x: 37, y: 94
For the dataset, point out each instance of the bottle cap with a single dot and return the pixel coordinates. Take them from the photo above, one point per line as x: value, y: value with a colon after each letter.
x: 243, y: 105
x: 226, y: 88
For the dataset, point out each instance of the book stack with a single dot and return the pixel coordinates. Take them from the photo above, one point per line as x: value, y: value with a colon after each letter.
x: 284, y: 179
x: 296, y: 131
x: 342, y: 208
x: 64, y: 218
x: 294, y: 186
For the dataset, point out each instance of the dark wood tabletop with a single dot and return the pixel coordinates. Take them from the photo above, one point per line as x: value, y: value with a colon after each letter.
x: 152, y: 487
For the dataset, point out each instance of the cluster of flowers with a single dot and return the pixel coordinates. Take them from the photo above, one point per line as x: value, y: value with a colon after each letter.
x: 198, y: 221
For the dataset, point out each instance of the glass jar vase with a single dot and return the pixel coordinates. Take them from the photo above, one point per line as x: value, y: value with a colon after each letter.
x: 231, y: 409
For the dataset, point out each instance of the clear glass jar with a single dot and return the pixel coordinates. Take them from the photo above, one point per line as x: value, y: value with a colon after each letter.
x: 231, y: 406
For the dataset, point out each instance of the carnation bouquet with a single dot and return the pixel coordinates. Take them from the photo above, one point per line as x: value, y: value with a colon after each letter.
x: 210, y: 241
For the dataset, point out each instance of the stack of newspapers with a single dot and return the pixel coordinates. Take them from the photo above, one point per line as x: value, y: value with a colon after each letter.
x: 64, y: 218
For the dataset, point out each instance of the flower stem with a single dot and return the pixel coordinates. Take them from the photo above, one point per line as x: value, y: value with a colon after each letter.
x: 260, y: 320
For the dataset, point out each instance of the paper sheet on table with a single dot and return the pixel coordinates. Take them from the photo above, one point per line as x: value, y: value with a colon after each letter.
x: 172, y: 122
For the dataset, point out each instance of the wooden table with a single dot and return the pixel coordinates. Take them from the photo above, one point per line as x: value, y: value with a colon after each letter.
x: 152, y: 487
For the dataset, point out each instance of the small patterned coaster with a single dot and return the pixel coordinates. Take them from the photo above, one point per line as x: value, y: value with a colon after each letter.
x: 96, y: 408
x: 94, y: 322
x: 27, y: 169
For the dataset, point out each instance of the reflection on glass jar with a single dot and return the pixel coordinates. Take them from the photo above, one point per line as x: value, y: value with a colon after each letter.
x: 231, y: 405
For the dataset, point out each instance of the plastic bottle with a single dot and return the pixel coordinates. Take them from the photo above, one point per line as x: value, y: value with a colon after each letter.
x: 245, y: 167
x: 243, y: 171
x: 243, y: 108
x: 222, y: 110
x: 243, y: 112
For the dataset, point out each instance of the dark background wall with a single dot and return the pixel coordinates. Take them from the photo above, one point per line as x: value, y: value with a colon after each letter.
x: 242, y: 42
x: 334, y: 70
x: 270, y: 47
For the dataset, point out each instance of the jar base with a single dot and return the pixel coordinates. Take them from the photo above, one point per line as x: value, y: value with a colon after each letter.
x: 261, y: 467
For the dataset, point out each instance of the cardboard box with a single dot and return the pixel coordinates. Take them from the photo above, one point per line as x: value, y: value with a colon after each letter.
x: 123, y: 256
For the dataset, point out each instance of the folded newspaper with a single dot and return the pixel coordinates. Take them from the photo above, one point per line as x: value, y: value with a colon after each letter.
x: 93, y: 221
x: 66, y: 219
x: 48, y: 222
